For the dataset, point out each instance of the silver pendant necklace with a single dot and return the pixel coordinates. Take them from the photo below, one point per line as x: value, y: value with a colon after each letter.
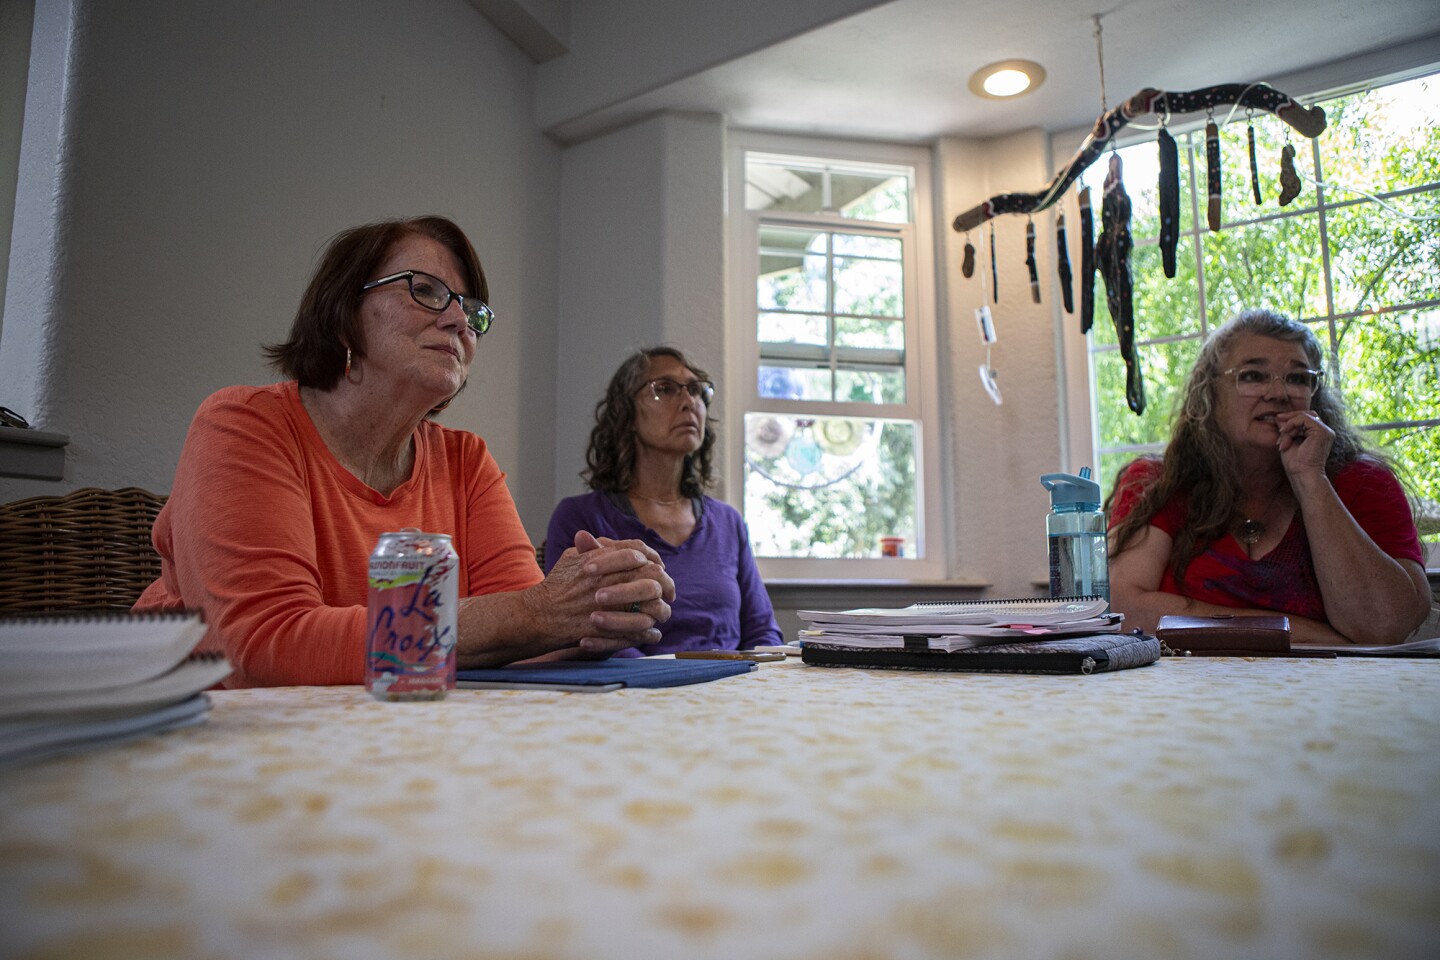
x: 1250, y: 532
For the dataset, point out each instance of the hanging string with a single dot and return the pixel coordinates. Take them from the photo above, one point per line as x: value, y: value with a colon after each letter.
x: 1100, y: 56
x: 1330, y: 185
x: 984, y: 287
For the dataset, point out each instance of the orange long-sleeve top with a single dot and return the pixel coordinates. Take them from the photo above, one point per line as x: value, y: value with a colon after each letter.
x: 270, y: 536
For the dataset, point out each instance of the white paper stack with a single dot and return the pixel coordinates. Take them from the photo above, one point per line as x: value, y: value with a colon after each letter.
x: 960, y: 624
x: 74, y: 681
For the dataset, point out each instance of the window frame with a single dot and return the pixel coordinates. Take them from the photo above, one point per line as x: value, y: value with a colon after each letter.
x: 921, y: 339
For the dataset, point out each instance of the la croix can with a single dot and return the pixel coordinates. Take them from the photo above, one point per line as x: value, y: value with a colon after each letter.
x: 410, y: 623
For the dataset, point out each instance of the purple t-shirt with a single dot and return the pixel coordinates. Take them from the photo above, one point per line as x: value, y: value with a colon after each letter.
x: 720, y: 601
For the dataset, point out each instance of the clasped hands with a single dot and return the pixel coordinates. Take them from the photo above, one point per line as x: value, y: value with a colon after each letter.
x: 609, y: 594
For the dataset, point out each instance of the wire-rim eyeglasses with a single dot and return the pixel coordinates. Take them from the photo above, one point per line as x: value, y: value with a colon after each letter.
x: 432, y: 294
x: 665, y: 390
x: 1255, y: 381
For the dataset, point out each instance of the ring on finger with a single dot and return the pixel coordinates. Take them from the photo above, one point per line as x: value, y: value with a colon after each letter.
x: 635, y: 607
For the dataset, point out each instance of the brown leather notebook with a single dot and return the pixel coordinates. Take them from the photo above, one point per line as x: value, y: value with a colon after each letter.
x: 1226, y: 635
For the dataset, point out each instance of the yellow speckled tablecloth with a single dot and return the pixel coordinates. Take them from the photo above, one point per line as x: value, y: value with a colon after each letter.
x: 1200, y: 808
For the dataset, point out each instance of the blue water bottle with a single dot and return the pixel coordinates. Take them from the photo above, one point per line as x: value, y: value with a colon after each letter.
x: 1075, y: 529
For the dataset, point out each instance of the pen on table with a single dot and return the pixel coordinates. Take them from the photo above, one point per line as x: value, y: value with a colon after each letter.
x: 759, y: 656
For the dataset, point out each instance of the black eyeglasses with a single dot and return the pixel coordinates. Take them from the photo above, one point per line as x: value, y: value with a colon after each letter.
x: 432, y: 294
x: 666, y: 390
x: 1255, y: 382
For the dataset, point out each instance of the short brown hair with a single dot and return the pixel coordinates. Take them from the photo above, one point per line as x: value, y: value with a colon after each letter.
x: 328, y: 320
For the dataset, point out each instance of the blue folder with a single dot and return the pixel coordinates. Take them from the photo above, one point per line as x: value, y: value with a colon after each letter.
x: 599, y: 676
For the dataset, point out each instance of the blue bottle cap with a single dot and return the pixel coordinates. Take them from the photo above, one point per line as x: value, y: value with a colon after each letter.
x: 1067, y: 489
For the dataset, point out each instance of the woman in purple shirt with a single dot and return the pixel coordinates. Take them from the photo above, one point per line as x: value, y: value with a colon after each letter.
x: 648, y: 467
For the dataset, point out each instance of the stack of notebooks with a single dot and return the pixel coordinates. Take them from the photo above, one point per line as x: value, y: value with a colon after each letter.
x: 74, y: 681
x: 1039, y: 635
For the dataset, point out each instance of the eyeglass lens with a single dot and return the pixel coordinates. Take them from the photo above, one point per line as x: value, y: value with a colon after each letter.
x: 432, y: 293
x: 669, y: 391
x: 1254, y: 382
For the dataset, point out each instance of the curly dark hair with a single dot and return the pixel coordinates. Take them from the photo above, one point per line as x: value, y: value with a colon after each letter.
x: 611, y: 457
x: 1200, y: 460
x: 328, y: 319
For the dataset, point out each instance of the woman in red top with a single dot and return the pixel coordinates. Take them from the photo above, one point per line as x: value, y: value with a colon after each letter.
x: 1266, y: 501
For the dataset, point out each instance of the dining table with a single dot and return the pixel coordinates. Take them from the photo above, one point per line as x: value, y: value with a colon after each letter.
x: 1218, y: 807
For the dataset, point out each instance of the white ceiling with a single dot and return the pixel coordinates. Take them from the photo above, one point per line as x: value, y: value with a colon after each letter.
x: 899, y: 71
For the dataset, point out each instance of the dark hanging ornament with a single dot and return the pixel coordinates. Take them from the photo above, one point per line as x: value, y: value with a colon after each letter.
x: 1169, y: 189
x: 994, y: 270
x: 1254, y: 167
x: 1289, y: 179
x: 1212, y: 173
x: 967, y: 265
x: 1112, y: 252
x: 1030, y: 263
x: 1087, y: 262
x: 1309, y: 121
x: 1062, y: 264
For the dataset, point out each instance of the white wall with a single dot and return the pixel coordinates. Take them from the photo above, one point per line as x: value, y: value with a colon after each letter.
x: 621, y: 49
x: 641, y: 263
x: 16, y: 18
x: 999, y: 452
x: 210, y: 150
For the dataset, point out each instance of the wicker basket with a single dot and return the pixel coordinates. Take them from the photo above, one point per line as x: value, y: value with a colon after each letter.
x: 89, y: 549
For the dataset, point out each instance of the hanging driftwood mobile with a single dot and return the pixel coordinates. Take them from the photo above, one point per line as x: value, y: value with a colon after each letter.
x: 1030, y: 264
x: 1062, y: 264
x: 1113, y: 250
x: 1289, y: 179
x: 1169, y: 190
x: 1254, y: 166
x: 1112, y: 255
x: 994, y: 270
x: 1087, y: 262
x: 1212, y: 174
x: 1309, y: 121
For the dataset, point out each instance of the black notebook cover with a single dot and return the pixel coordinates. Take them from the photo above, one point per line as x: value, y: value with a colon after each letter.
x: 1089, y: 654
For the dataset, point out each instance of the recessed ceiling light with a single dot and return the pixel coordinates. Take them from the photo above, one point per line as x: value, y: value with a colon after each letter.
x: 1006, y: 79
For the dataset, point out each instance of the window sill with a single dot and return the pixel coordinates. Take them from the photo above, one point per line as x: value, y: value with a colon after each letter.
x: 32, y: 454
x: 804, y: 594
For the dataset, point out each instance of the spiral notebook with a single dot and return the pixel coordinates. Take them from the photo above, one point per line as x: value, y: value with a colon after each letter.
x: 65, y: 652
x: 82, y: 680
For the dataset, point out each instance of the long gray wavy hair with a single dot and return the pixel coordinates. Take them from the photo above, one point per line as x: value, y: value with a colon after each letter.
x: 1200, y: 459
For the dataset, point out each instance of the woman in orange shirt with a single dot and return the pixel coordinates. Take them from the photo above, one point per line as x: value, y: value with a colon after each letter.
x: 282, y: 491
